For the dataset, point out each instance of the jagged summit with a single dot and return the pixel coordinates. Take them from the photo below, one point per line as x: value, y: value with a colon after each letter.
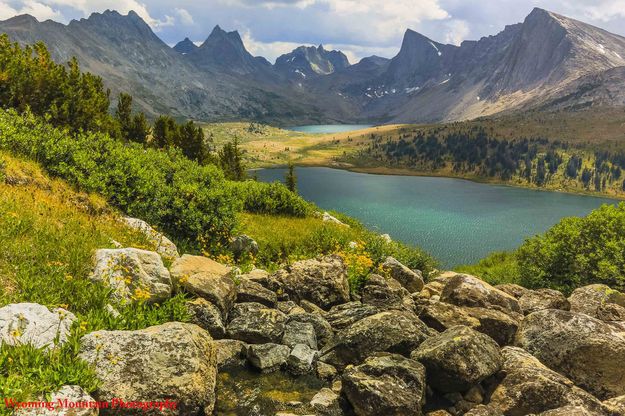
x: 185, y: 46
x: 311, y: 61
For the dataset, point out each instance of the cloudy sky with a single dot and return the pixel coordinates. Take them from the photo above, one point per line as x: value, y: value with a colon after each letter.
x: 358, y: 27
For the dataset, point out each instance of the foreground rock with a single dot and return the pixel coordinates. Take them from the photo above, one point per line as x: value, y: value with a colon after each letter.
x: 322, y: 282
x: 34, y: 324
x: 383, y: 293
x: 599, y: 301
x: 391, y: 331
x: 583, y: 348
x: 323, y: 330
x: 267, y: 357
x: 243, y: 245
x: 326, y: 403
x: 466, y: 290
x: 529, y: 387
x: 501, y: 327
x: 442, y: 316
x: 256, y: 324
x: 230, y: 352
x: 174, y: 361
x: 71, y: 395
x: 164, y: 246
x: 537, y: 300
x: 301, y: 359
x: 207, y: 316
x: 207, y: 279
x: 342, y: 316
x: 458, y: 359
x: 250, y: 291
x: 133, y: 274
x: 411, y: 280
x: 385, y: 384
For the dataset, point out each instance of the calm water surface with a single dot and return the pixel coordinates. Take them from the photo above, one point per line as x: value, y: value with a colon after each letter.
x: 457, y: 221
x: 329, y: 128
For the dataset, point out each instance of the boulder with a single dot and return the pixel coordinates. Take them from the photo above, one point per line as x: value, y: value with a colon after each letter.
x: 512, y: 289
x: 320, y: 281
x: 243, y: 245
x: 411, y: 280
x: 264, y: 279
x: 571, y: 411
x: 616, y: 405
x: 435, y: 286
x: 311, y: 307
x: 250, y: 291
x: 537, y: 300
x: 458, y: 358
x: 164, y: 246
x: 325, y: 372
x: 326, y: 403
x: 207, y: 279
x: 34, y: 324
x: 323, y: 330
x: 441, y: 316
x: 207, y: 316
x: 530, y: 387
x: 599, y: 301
x: 499, y: 326
x: 484, y: 410
x: 174, y: 361
x: 256, y: 324
x: 230, y: 352
x: 466, y: 290
x: 132, y: 274
x: 267, y: 357
x: 383, y: 293
x: 391, y: 331
x: 326, y: 217
x: 301, y: 359
x: 385, y: 384
x: 342, y: 316
x: 67, y: 401
x: 297, y: 332
x: 582, y: 348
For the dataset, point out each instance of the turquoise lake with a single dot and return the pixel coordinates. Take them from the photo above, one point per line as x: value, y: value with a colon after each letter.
x: 329, y: 128
x: 457, y: 221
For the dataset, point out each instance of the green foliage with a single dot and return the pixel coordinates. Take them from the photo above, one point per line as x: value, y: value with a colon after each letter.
x: 187, y: 137
x: 291, y: 178
x: 577, y: 252
x: 273, y: 198
x: 29, y: 79
x: 231, y: 161
x: 497, y: 268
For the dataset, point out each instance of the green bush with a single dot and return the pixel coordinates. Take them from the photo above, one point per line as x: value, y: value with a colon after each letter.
x: 270, y: 198
x: 497, y: 268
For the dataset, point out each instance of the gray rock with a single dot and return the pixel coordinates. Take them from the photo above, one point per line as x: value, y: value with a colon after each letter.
x: 296, y: 332
x: 72, y: 394
x: 385, y: 384
x: 599, y: 301
x: 321, y: 281
x: 207, y: 279
x: 207, y: 316
x: 230, y: 352
x: 325, y: 372
x: 301, y: 359
x: 383, y: 293
x: 616, y: 405
x: 256, y: 324
x: 267, y: 357
x: 323, y: 331
x: 499, y: 326
x: 571, y: 411
x: 529, y: 387
x: 484, y: 410
x: 243, y: 245
x: 466, y: 290
x: 250, y: 291
x: 411, y: 280
x: 458, y: 358
x: 576, y: 345
x: 34, y: 324
x: 537, y: 300
x: 512, y: 289
x: 391, y: 331
x: 343, y: 316
x: 132, y: 274
x: 329, y: 218
x: 310, y: 307
x: 174, y: 361
x: 326, y: 403
x: 287, y: 306
x: 441, y: 316
x: 164, y: 246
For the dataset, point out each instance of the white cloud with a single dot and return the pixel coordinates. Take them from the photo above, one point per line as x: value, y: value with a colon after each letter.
x: 39, y: 10
x: 601, y: 10
x: 184, y: 16
x: 458, y: 31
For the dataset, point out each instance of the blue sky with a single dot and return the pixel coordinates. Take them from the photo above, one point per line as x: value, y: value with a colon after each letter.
x: 358, y: 27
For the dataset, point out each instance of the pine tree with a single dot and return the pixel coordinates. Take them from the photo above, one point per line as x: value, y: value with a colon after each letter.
x: 165, y: 132
x: 123, y: 114
x: 291, y: 178
x: 231, y: 161
x: 139, y: 129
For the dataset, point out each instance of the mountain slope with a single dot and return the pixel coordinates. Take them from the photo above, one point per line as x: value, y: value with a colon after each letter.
x: 310, y: 61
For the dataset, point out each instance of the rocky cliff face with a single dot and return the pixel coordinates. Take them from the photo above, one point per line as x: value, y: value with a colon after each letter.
x: 311, y: 61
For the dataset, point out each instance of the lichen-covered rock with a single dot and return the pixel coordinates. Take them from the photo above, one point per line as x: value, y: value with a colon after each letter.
x: 67, y: 401
x: 34, y: 324
x: 267, y: 357
x: 230, y: 351
x: 175, y: 361
x: 250, y: 291
x: 321, y: 281
x: 323, y: 331
x: 530, y: 387
x: 256, y: 324
x: 441, y: 316
x: 383, y: 293
x: 571, y: 411
x: 458, y: 358
x: 342, y: 316
x: 385, y: 384
x: 324, y: 371
x: 132, y: 274
x: 411, y: 280
x: 297, y: 332
x: 243, y: 245
x: 512, y: 289
x: 207, y: 316
x: 599, y: 301
x: 499, y: 326
x: 435, y: 286
x: 391, y: 331
x: 615, y: 405
x: 301, y: 359
x: 326, y: 217
x: 582, y: 348
x: 466, y: 290
x: 537, y: 300
x: 164, y: 246
x: 207, y: 279
x: 326, y: 403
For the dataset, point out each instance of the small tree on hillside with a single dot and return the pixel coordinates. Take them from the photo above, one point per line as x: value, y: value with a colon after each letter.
x: 231, y: 161
x: 139, y: 129
x: 291, y: 178
x: 123, y: 114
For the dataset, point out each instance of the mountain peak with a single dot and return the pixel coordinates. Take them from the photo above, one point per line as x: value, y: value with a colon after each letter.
x: 185, y: 46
